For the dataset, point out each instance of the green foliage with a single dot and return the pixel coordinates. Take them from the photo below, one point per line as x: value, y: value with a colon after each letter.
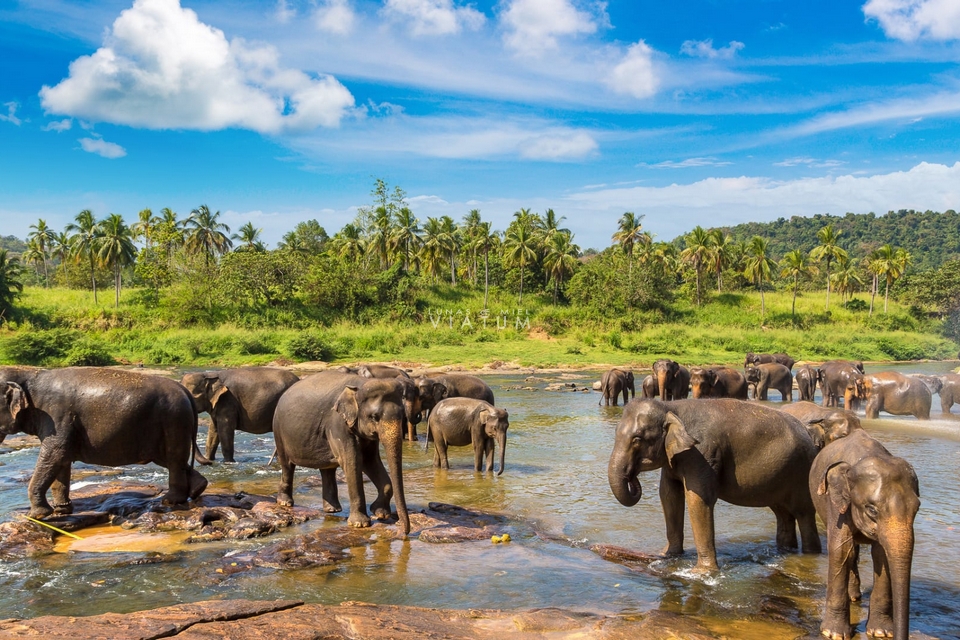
x: 39, y: 347
x: 605, y: 287
x: 309, y: 346
x: 88, y: 354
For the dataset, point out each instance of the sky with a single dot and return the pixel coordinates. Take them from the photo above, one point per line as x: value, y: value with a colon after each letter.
x: 702, y: 112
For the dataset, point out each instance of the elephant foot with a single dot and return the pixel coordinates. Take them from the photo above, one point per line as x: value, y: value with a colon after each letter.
x: 671, y: 552
x: 359, y: 520
x: 171, y: 499
x: 285, y: 500
x: 853, y: 591
x: 38, y: 513
x: 332, y: 507
x: 836, y: 629
x: 63, y: 509
x: 879, y: 626
x: 834, y: 635
x: 198, y: 484
x: 381, y: 513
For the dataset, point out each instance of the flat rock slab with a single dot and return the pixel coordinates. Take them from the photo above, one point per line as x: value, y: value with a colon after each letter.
x: 292, y: 620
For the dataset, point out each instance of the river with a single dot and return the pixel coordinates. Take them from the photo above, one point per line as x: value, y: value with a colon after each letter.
x: 555, y: 478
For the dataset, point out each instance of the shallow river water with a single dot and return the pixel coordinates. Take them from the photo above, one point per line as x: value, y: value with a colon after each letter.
x: 557, y: 452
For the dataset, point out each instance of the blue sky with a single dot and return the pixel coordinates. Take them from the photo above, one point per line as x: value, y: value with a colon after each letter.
x: 699, y: 112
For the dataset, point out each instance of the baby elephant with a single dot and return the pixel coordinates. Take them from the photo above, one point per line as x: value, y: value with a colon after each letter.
x: 461, y: 421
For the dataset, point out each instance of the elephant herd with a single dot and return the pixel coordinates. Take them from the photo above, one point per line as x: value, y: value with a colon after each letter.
x: 800, y: 461
x: 335, y: 418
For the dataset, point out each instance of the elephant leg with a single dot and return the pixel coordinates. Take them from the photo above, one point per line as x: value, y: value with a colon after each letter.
x: 197, y: 483
x: 626, y: 395
x: 700, y: 503
x: 213, y: 442
x: 853, y: 586
x: 440, y: 452
x: 227, y: 422
x: 488, y: 451
x: 49, y: 466
x: 373, y: 467
x: 809, y: 535
x: 411, y: 431
x: 61, y: 491
x: 836, y: 615
x: 786, y: 529
x: 672, y: 501
x: 872, y: 412
x: 479, y: 445
x: 351, y: 460
x: 946, y: 402
x: 178, y: 490
x: 880, y: 619
x: 328, y: 489
x: 285, y: 492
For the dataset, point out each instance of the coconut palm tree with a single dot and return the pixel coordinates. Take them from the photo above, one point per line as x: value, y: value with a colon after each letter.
x: 721, y: 254
x: 697, y: 253
x: 450, y: 234
x: 434, y: 247
x: 10, y: 284
x: 560, y: 259
x: 827, y: 251
x: 891, y: 264
x: 168, y: 232
x: 487, y: 240
x: 349, y: 243
x: 796, y: 265
x: 85, y: 243
x: 518, y: 249
x: 116, y: 249
x: 469, y: 231
x: 249, y: 238
x: 846, y: 278
x: 143, y: 228
x: 380, y: 230
x: 206, y: 234
x: 759, y: 268
x: 43, y: 237
x: 629, y: 234
x: 61, y: 250
x: 405, y: 238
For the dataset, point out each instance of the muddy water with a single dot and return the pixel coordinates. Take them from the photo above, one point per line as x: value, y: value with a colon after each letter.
x: 557, y: 452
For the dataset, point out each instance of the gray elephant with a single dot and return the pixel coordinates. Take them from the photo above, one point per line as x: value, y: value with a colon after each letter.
x: 374, y: 371
x: 841, y: 379
x: 411, y: 393
x: 765, y: 358
x: 237, y: 399
x: 99, y: 416
x: 717, y: 382
x: 740, y: 452
x: 458, y: 422
x: 331, y: 420
x: 824, y: 425
x: 770, y: 375
x: 897, y: 394
x: 673, y: 379
x: 865, y: 495
x: 806, y: 378
x: 613, y: 383
x: 462, y: 385
x: 429, y: 392
x: 649, y: 387
x: 949, y: 392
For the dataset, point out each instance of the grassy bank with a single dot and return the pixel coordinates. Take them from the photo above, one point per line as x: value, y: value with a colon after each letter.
x: 63, y: 326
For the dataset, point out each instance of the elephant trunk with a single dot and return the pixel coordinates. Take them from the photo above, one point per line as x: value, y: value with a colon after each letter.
x: 897, y: 543
x: 662, y: 382
x: 502, y: 443
x: 392, y: 438
x: 623, y: 479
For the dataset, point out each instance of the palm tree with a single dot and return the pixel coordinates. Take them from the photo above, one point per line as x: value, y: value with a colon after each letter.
x: 434, y: 247
x: 144, y: 226
x: 86, y: 243
x: 169, y: 231
x: 469, y: 228
x: 828, y: 251
x: 846, y: 278
x: 10, y: 284
x: 874, y: 268
x: 759, y: 268
x: 486, y: 242
x: 721, y: 254
x: 43, y: 237
x: 891, y: 264
x: 665, y: 254
x: 33, y: 256
x: 406, y: 236
x: 795, y: 265
x: 61, y: 249
x: 380, y: 230
x: 629, y: 234
x: 349, y: 243
x: 206, y: 234
x: 451, y: 240
x: 518, y: 249
x: 697, y: 253
x: 249, y: 237
x: 116, y: 249
x: 561, y: 259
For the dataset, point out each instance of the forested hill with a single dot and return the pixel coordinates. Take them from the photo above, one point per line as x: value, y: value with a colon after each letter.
x: 931, y: 238
x: 13, y: 244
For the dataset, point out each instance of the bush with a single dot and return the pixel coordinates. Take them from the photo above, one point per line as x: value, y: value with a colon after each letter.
x: 39, y: 347
x: 88, y: 354
x: 856, y: 304
x: 308, y: 346
x: 900, y: 350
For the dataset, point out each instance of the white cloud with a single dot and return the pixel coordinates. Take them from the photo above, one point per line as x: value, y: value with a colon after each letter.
x: 911, y: 20
x: 335, y: 16
x: 102, y: 148
x: 161, y: 68
x: 554, y: 146
x: 686, y: 164
x: 434, y: 17
x: 704, y: 49
x: 284, y: 12
x: 533, y: 26
x: 635, y: 75
x: 58, y: 125
x: 11, y: 116
x: 809, y: 162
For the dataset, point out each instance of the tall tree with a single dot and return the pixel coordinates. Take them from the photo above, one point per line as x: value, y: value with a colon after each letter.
x: 43, y: 236
x: 721, y: 254
x: 169, y: 232
x: 560, y: 259
x: 891, y: 264
x: 10, y: 284
x: 143, y: 228
x: 486, y: 242
x: 249, y: 238
x: 434, y: 248
x: 470, y: 230
x: 405, y: 238
x: 85, y: 243
x: 61, y: 250
x: 307, y: 238
x: 796, y: 265
x: 518, y: 249
x: 450, y: 235
x: 827, y: 251
x: 846, y: 278
x: 116, y: 249
x: 33, y: 255
x: 697, y: 253
x: 380, y: 230
x: 874, y: 268
x: 629, y: 234
x: 759, y: 268
x: 206, y: 234
x: 349, y: 243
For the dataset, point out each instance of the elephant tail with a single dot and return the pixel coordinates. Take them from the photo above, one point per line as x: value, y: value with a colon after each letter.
x: 195, y: 454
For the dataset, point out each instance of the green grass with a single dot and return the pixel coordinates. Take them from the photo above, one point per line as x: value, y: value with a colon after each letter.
x: 61, y: 322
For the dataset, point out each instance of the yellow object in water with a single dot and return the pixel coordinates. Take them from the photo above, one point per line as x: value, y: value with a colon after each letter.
x: 505, y: 537
x: 495, y: 539
x: 50, y: 526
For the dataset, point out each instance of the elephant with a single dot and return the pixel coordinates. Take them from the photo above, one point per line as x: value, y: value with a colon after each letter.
x: 717, y: 382
x: 613, y: 383
x: 743, y: 453
x: 461, y: 385
x: 765, y: 358
x: 374, y: 371
x: 411, y: 393
x: 806, y: 378
x: 865, y: 495
x: 934, y: 383
x: 243, y: 399
x: 770, y: 375
x: 949, y: 391
x: 824, y: 425
x: 841, y: 378
x: 458, y: 422
x: 331, y: 420
x: 897, y: 394
x: 649, y: 387
x: 100, y: 416
x: 673, y: 379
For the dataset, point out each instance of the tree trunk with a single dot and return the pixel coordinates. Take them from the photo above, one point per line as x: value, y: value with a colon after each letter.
x: 46, y: 276
x: 486, y: 278
x: 116, y: 284
x: 521, y: 283
x: 827, y: 308
x: 763, y: 307
x: 873, y: 292
x: 93, y: 278
x: 886, y: 296
x: 698, y: 285
x: 796, y: 285
x: 453, y: 269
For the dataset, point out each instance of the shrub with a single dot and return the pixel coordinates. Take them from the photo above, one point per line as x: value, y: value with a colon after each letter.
x: 899, y: 350
x: 88, y: 354
x: 39, y: 347
x: 309, y: 346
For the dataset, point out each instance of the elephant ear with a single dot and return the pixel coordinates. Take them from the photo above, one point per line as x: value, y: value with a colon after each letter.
x: 836, y: 484
x: 364, y: 372
x: 440, y: 391
x: 15, y: 399
x: 215, y: 389
x: 348, y: 408
x: 677, y: 439
x: 817, y: 433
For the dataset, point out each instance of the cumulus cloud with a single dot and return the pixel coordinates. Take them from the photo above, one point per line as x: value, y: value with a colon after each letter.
x: 103, y: 148
x: 635, y: 75
x: 335, y: 16
x: 434, y: 17
x: 161, y: 68
x: 911, y: 20
x: 11, y: 116
x: 59, y: 125
x: 533, y: 26
x: 704, y: 49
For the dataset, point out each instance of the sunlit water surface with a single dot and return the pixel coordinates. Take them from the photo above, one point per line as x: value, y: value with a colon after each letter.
x: 557, y: 452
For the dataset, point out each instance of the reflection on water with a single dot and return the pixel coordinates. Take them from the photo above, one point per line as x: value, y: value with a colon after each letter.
x: 557, y: 452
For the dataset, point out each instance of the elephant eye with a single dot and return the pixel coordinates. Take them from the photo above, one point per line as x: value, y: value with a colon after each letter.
x: 871, y: 511
x: 375, y: 416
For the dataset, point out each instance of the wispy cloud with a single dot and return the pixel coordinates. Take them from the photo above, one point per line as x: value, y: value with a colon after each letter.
x: 686, y: 164
x: 704, y: 49
x: 11, y: 116
x: 58, y: 125
x: 103, y: 148
x: 809, y: 162
x: 911, y: 20
x: 434, y: 17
